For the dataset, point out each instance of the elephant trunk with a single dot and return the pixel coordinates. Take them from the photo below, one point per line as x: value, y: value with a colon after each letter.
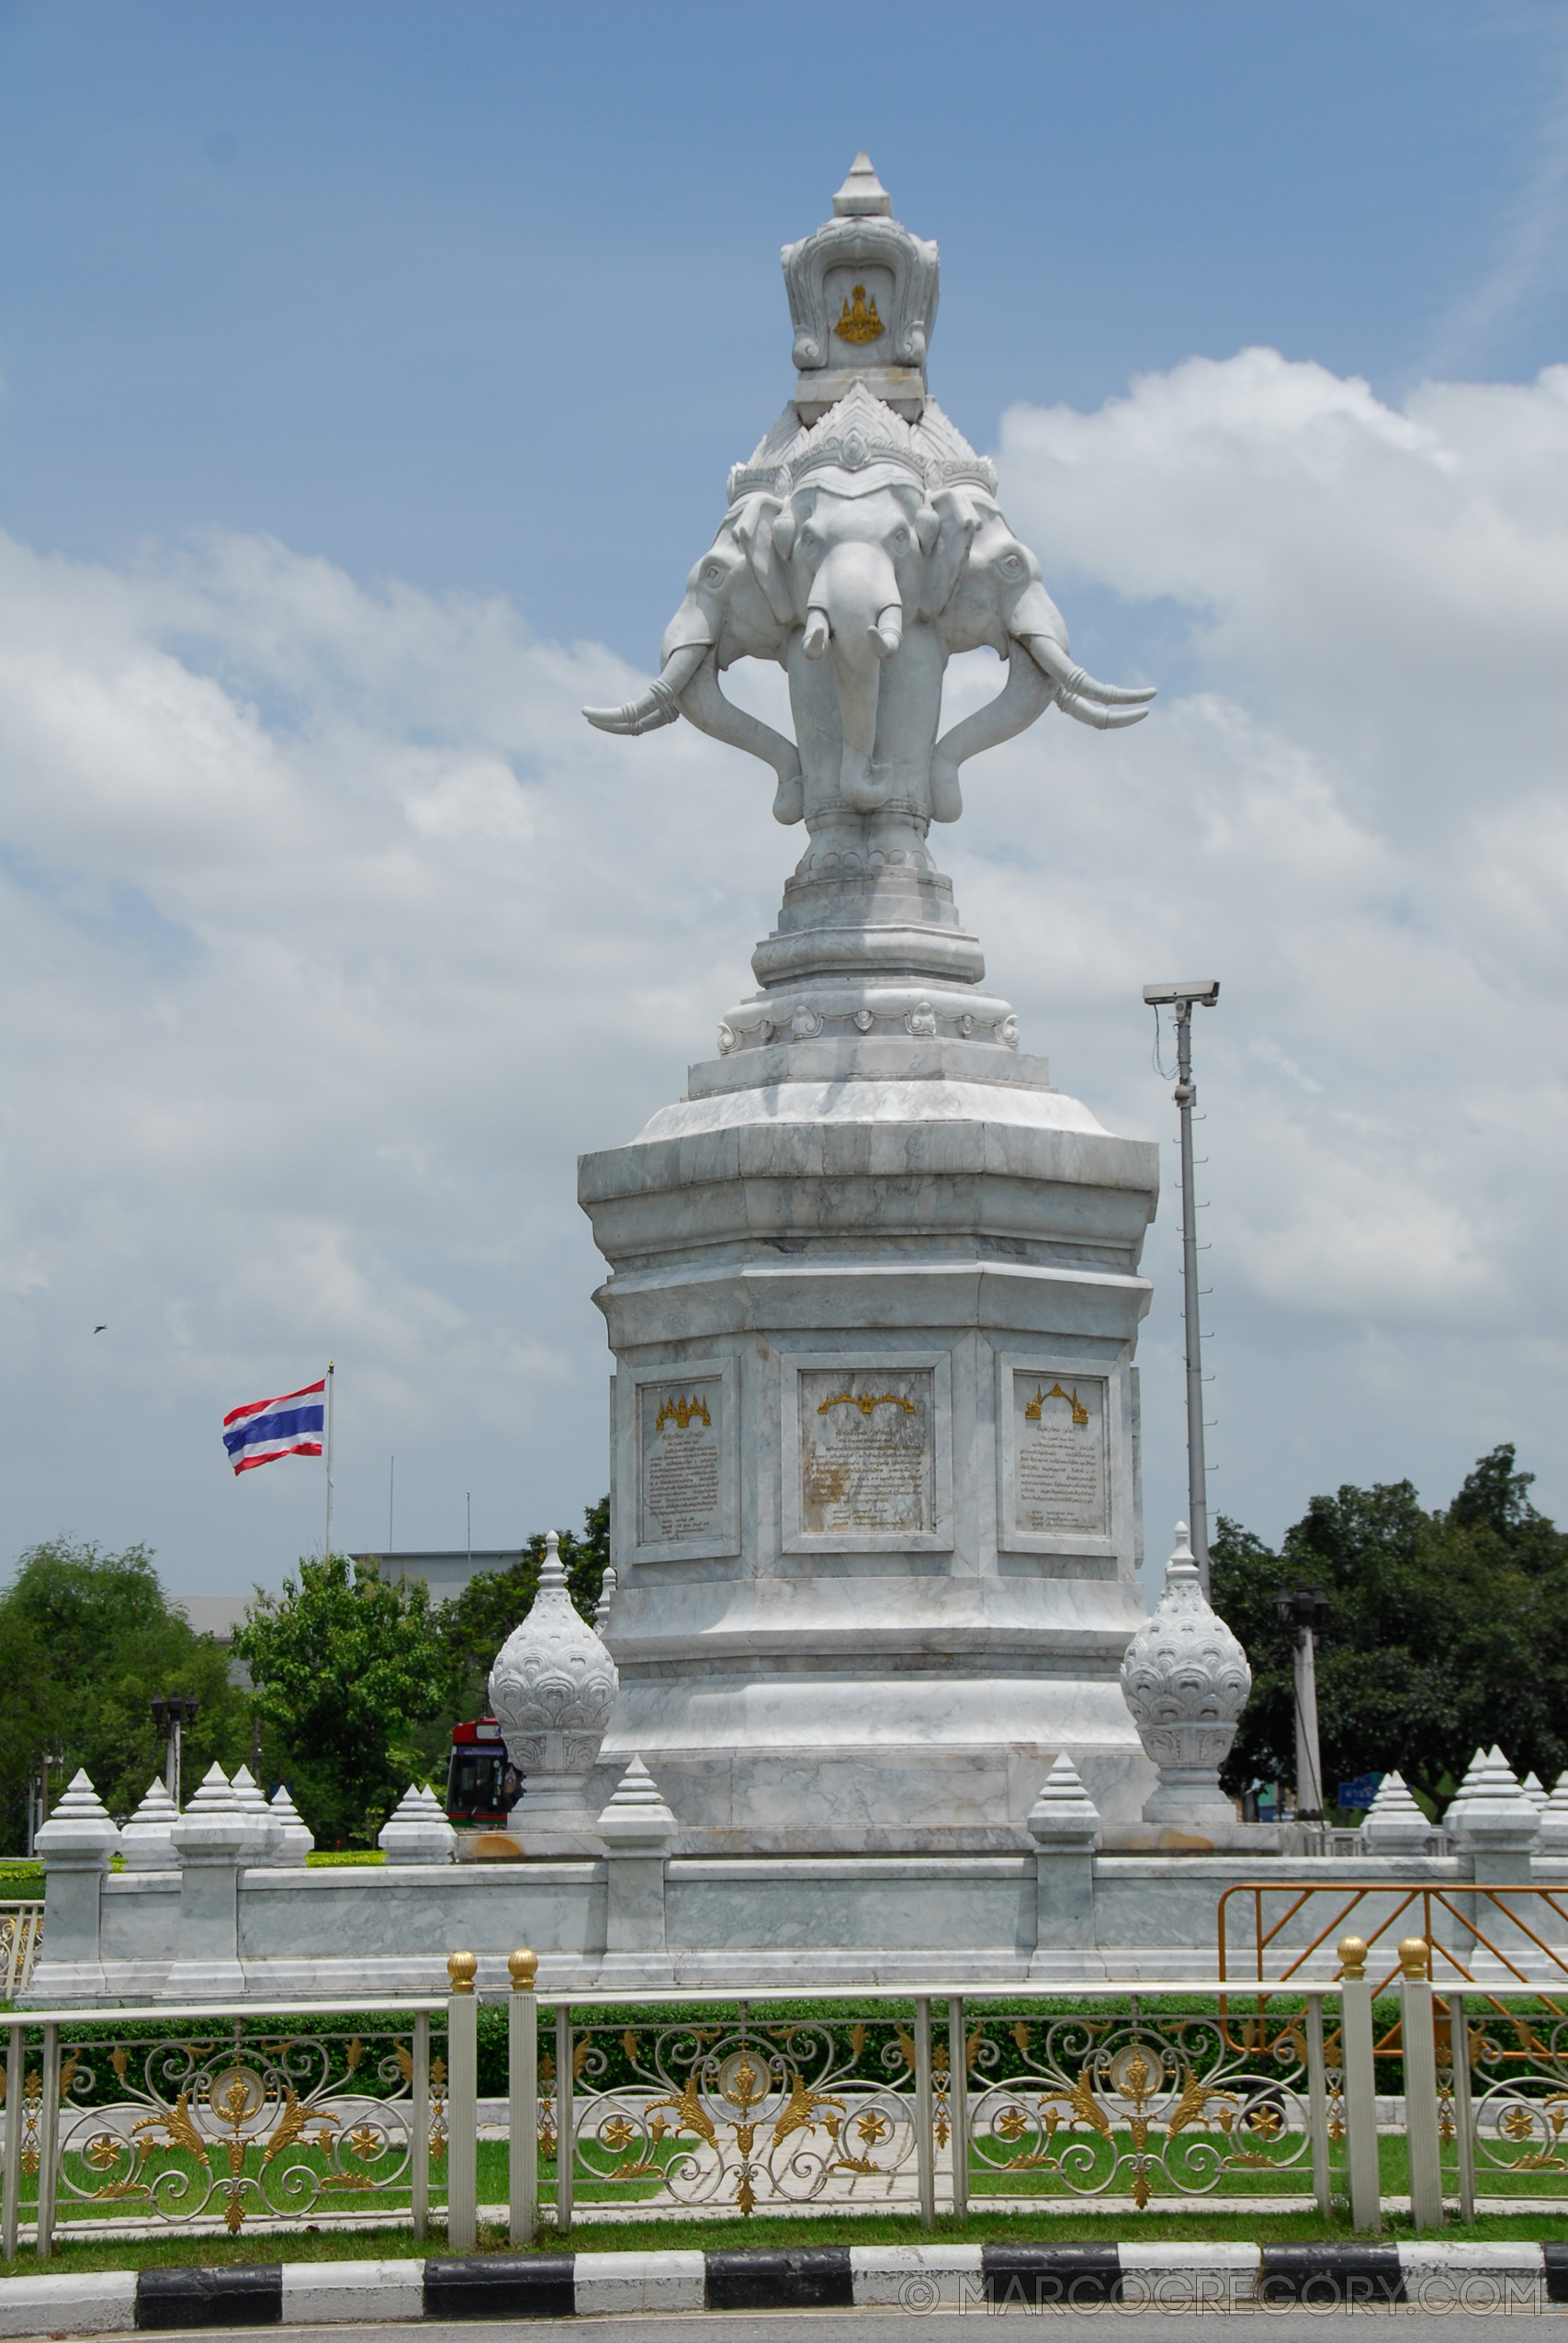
x: 854, y: 606
x: 661, y: 704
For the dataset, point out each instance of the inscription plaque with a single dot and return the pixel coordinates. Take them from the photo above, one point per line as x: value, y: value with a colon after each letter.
x: 867, y: 1452
x: 681, y: 1496
x: 1060, y: 1482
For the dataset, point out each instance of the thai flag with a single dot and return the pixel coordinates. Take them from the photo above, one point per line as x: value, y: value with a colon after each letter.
x: 267, y: 1428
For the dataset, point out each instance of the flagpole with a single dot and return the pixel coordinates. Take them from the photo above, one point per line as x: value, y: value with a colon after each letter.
x: 327, y: 1550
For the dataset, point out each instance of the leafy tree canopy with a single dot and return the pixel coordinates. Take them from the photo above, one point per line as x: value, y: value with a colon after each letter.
x: 1449, y: 1631
x: 87, y: 1639
x: 343, y: 1664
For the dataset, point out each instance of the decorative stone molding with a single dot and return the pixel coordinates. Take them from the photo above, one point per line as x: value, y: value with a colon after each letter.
x: 1185, y: 1678
x: 1535, y: 1791
x: 80, y: 1835
x: 1393, y: 1823
x: 418, y: 1831
x: 552, y: 1688
x: 1064, y: 1818
x: 144, y: 1840
x: 295, y: 1839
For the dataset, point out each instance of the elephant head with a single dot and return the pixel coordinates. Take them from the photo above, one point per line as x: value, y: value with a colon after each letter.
x: 853, y: 544
x: 983, y: 587
x: 737, y: 606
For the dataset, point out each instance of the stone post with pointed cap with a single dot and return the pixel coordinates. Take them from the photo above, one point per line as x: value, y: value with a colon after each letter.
x: 211, y: 1839
x: 1064, y: 1822
x: 639, y: 1830
x: 144, y: 1840
x: 76, y: 1844
x: 1395, y: 1823
x: 1492, y: 1822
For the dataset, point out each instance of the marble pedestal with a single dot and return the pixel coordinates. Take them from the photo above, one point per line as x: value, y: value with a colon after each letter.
x: 874, y: 1302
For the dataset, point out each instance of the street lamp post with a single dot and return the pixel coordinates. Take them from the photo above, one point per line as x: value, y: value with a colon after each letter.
x: 1180, y: 996
x: 174, y: 1714
x: 1304, y: 1613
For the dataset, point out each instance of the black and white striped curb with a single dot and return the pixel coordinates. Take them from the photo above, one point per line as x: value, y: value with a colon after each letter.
x: 1506, y: 2275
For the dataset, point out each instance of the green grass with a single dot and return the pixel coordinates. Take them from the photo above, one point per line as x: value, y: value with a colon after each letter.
x: 177, y: 2251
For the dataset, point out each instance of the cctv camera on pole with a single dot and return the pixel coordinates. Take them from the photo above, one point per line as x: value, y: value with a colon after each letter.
x: 1181, y: 995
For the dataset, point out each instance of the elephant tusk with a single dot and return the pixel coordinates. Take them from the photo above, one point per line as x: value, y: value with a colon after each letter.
x: 661, y: 704
x: 815, y: 640
x: 888, y: 631
x: 1104, y: 720
x: 1052, y: 661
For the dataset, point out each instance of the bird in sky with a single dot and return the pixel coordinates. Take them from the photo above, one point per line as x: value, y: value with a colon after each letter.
x: 100, y: 1329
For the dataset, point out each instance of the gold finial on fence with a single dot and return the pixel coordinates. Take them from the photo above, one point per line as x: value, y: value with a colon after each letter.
x: 523, y: 1966
x: 1353, y: 1956
x: 462, y: 1968
x: 1413, y: 1956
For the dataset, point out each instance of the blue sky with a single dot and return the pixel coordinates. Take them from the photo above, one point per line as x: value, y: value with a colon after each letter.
x: 371, y: 372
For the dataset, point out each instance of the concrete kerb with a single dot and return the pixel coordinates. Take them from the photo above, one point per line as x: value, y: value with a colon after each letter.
x: 1506, y: 2275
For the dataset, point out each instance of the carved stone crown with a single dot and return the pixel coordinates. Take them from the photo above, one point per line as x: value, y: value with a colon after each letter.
x: 862, y: 296
x: 858, y: 446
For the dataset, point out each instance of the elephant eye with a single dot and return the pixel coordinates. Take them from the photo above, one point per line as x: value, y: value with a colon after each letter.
x: 1013, y: 565
x: 714, y: 575
x: 900, y: 537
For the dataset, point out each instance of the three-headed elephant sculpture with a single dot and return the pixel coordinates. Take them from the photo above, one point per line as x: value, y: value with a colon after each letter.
x: 861, y: 568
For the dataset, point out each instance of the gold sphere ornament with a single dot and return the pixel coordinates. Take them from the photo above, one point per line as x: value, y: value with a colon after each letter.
x: 1413, y: 1956
x: 524, y: 1967
x: 462, y: 1968
x: 1353, y: 1956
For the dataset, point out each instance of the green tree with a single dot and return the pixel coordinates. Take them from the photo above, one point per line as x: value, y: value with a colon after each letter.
x: 1447, y: 1630
x: 345, y: 1666
x: 477, y: 1622
x: 86, y: 1641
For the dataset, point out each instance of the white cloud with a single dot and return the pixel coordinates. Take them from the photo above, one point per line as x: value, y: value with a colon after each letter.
x: 332, y: 936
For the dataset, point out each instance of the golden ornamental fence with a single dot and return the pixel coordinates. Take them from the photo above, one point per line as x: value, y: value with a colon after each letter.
x: 1237, y: 2091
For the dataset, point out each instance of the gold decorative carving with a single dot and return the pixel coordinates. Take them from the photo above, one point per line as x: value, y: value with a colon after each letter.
x: 1032, y: 1411
x: 860, y: 323
x: 865, y: 1402
x: 682, y: 1412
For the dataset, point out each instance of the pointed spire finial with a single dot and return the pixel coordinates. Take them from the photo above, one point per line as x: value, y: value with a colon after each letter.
x: 552, y: 1571
x: 862, y: 195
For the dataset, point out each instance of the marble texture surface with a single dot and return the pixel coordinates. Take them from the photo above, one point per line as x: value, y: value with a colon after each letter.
x: 740, y: 1923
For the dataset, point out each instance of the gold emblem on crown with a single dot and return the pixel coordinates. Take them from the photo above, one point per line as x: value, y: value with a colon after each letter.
x: 682, y: 1412
x: 859, y: 321
x: 1032, y: 1411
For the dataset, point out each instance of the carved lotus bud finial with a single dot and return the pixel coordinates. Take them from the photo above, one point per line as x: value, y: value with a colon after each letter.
x: 552, y: 1688
x: 1185, y: 1678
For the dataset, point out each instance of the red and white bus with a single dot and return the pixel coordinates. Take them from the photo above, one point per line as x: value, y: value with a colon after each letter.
x: 482, y: 1783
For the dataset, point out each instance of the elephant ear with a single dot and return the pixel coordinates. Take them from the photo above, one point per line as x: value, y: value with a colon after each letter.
x: 757, y: 529
x: 958, y: 517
